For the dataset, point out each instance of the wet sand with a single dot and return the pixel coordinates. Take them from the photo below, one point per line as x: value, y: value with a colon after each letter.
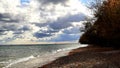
x: 88, y: 57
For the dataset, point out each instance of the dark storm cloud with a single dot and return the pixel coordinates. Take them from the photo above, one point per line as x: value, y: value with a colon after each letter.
x: 22, y: 30
x: 6, y: 18
x: 2, y: 32
x: 9, y: 27
x: 40, y: 24
x: 42, y: 35
x: 65, y: 22
x: 6, y: 28
x: 25, y: 28
x: 60, y: 23
x: 51, y: 31
x: 17, y: 32
x: 12, y: 27
x: 47, y: 33
x: 45, y: 2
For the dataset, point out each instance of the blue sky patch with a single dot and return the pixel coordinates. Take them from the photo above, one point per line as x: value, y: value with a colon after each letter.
x: 24, y: 2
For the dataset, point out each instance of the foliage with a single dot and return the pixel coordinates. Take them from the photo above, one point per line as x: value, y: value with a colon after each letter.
x: 106, y: 29
x: 107, y: 11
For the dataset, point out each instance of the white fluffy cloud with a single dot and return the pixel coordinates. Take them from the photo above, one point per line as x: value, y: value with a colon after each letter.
x: 41, y: 20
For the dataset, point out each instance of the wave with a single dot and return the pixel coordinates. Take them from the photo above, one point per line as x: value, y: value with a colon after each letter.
x: 10, y: 62
x: 39, y: 60
x: 70, y: 48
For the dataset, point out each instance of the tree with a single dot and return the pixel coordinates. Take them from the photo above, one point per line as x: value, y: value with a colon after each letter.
x: 106, y: 29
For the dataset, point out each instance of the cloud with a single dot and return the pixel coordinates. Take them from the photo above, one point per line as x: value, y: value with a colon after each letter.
x: 6, y: 18
x: 71, y: 30
x: 41, y: 20
x: 71, y: 33
x: 41, y: 35
x: 65, y: 21
x: 66, y: 37
x: 45, y: 2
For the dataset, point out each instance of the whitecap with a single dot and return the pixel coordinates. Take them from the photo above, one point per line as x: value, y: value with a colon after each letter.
x: 18, y: 61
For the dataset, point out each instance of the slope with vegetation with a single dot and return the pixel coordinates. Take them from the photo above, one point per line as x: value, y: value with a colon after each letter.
x: 106, y: 29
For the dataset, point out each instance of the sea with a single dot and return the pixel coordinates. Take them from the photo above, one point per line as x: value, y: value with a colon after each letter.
x: 33, y: 56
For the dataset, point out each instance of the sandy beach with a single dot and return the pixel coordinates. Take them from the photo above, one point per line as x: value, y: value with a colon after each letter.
x: 88, y: 57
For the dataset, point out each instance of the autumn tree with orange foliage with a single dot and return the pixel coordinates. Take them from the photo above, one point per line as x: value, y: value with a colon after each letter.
x: 106, y: 29
x: 109, y: 12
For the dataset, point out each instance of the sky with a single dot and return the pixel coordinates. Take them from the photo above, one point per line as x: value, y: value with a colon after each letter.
x: 37, y: 21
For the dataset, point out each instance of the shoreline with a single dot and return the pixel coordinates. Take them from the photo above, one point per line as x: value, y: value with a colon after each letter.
x: 34, y: 61
x: 88, y: 57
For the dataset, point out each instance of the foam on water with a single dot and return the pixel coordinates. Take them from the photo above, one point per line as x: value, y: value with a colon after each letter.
x: 39, y: 60
x: 66, y: 49
x: 18, y: 61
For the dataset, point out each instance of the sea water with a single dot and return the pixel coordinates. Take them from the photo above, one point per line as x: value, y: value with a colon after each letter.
x: 32, y: 56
